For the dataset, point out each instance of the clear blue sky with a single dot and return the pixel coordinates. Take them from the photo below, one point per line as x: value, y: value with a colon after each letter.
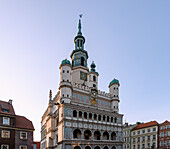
x: 128, y: 40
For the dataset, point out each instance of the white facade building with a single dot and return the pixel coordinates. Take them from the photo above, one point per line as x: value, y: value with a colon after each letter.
x: 80, y: 116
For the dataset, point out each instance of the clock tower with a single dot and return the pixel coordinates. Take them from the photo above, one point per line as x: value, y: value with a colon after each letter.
x: 79, y: 58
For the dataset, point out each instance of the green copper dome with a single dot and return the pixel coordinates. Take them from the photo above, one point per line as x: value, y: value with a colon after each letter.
x: 65, y: 61
x: 93, y: 65
x: 114, y: 81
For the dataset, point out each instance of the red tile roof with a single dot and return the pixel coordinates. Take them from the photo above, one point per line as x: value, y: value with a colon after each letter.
x: 144, y: 125
x: 23, y: 122
x: 6, y: 106
x: 166, y: 122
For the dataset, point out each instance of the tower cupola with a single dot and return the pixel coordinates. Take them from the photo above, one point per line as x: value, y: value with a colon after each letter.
x: 79, y: 56
x: 93, y: 76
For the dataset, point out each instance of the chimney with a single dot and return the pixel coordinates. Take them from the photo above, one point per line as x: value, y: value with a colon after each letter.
x: 10, y: 101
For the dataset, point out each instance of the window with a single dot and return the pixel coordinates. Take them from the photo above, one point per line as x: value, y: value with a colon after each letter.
x: 74, y: 113
x: 103, y: 118
x: 56, y: 122
x: 138, y: 139
x: 133, y: 133
x: 107, y: 118
x: 23, y: 135
x: 67, y: 71
x: 162, y: 143
x: 6, y: 120
x: 56, y: 139
x: 85, y: 115
x: 5, y: 134
x: 138, y: 146
x: 133, y: 146
x: 90, y: 116
x: 111, y: 119
x: 143, y: 145
x: 167, y: 133
x: 162, y: 134
x: 143, y: 131
x: 148, y: 137
x: 148, y: 145
x: 133, y: 139
x: 168, y: 127
x: 94, y: 78
x: 95, y: 117
x: 162, y: 128
x: 143, y: 138
x: 23, y: 147
x: 94, y: 85
x: 4, y: 146
x: 80, y: 114
x: 99, y: 117
x: 149, y: 130
x: 154, y: 137
x: 138, y: 132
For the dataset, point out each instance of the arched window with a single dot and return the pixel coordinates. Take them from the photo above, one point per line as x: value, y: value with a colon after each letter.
x: 107, y: 118
x: 94, y: 78
x: 87, y: 135
x: 80, y: 114
x: 105, y: 147
x: 113, y: 136
x: 85, y: 115
x: 77, y: 134
x: 97, y: 135
x: 82, y: 61
x: 95, y: 117
x: 105, y: 135
x: 87, y: 147
x: 103, y: 117
x: 99, y: 117
x: 90, y: 116
x: 113, y: 147
x: 77, y: 147
x: 115, y: 120
x: 97, y: 147
x: 74, y: 113
x: 112, y: 119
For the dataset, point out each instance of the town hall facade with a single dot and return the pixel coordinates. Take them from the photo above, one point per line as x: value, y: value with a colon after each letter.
x: 80, y: 116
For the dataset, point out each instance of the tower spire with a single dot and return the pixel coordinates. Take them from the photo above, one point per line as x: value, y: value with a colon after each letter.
x: 79, y: 25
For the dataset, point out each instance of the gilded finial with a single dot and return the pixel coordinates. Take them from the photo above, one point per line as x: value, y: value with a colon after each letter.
x: 50, y: 95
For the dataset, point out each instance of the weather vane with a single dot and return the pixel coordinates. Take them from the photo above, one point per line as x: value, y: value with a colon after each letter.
x: 81, y: 15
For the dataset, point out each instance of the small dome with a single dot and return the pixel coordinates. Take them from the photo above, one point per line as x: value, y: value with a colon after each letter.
x: 114, y: 81
x: 93, y: 65
x: 65, y: 61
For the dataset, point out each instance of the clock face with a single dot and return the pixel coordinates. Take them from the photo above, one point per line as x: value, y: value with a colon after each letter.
x: 93, y: 96
x: 83, y: 76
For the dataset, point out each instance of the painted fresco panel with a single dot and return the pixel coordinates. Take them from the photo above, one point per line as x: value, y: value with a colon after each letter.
x: 86, y: 100
x: 68, y: 133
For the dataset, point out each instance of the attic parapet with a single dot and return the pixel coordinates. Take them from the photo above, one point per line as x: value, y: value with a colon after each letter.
x: 86, y: 88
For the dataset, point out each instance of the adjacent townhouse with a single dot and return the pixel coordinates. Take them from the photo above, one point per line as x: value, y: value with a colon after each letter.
x: 16, y: 132
x: 164, y: 135
x: 127, y: 134
x: 145, y: 136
